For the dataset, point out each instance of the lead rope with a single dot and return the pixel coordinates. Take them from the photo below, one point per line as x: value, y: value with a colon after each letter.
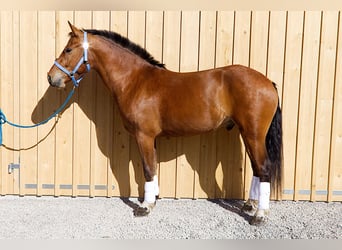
x: 71, y: 74
x: 4, y: 120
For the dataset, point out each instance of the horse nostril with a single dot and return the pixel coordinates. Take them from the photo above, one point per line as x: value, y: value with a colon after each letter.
x: 49, y: 79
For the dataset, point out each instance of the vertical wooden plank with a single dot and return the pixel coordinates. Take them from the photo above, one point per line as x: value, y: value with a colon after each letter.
x: 228, y: 151
x: 290, y: 101
x: 259, y: 40
x: 100, y: 183
x: 9, y: 182
x: 276, y: 49
x: 335, y: 166
x: 224, y: 38
x: 276, y: 53
x: 28, y: 99
x: 84, y: 117
x: 168, y: 146
x: 242, y: 34
x: 241, y: 56
x: 48, y: 101
x: 136, y: 33
x: 307, y: 105
x: 324, y: 102
x: 19, y: 180
x: 64, y: 130
x: 205, y: 183
x: 120, y: 160
x: 188, y: 149
x: 154, y: 34
x: 207, y: 44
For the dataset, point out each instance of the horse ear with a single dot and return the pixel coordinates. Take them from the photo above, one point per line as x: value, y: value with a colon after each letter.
x: 75, y: 31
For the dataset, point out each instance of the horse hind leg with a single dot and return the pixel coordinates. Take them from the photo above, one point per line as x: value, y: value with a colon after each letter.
x: 266, y: 151
x: 259, y: 196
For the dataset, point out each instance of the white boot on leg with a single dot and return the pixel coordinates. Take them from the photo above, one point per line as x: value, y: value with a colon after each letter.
x: 156, y: 185
x: 251, y: 205
x: 151, y: 189
x: 261, y: 214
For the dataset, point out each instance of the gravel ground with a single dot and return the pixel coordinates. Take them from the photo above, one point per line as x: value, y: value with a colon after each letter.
x: 112, y: 218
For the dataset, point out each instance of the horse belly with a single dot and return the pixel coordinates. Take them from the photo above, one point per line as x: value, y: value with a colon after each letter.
x: 193, y: 120
x: 195, y: 104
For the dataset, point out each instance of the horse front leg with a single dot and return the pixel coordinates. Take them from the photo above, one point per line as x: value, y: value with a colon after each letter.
x: 147, y: 150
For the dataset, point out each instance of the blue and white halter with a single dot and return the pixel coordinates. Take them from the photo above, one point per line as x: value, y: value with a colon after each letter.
x: 83, y: 60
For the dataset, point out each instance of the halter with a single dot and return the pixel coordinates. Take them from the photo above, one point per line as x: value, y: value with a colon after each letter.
x: 83, y: 60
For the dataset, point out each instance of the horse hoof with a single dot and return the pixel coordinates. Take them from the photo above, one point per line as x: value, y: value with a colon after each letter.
x: 258, y: 221
x: 250, y: 207
x: 143, y: 210
x: 260, y: 218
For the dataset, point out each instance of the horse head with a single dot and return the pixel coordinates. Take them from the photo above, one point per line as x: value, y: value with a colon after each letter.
x: 72, y: 64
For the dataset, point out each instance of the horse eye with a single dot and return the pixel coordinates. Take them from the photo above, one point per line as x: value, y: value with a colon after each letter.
x: 68, y: 50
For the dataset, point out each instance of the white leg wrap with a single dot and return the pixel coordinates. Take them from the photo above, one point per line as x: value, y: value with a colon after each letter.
x: 264, y: 195
x: 151, y: 190
x: 150, y: 194
x: 255, y: 186
x: 156, y: 185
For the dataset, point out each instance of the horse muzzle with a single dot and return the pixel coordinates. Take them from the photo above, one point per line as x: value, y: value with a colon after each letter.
x: 55, y: 82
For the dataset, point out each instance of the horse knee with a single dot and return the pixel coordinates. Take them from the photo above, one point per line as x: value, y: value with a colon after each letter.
x: 147, y: 150
x: 149, y: 173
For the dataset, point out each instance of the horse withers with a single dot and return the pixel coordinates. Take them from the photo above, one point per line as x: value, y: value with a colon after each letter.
x: 154, y: 101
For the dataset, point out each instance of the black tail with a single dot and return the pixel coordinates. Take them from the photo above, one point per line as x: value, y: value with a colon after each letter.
x: 274, y: 146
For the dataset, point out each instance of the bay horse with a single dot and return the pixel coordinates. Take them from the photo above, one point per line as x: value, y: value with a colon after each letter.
x: 154, y: 101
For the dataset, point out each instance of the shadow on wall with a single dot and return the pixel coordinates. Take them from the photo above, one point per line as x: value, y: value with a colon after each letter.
x: 216, y: 148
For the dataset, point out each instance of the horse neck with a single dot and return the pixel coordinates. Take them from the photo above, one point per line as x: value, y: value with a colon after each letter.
x: 116, y: 65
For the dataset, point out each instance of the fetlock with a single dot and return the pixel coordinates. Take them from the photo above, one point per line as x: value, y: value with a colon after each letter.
x: 144, y: 209
x: 250, y: 206
x: 260, y: 217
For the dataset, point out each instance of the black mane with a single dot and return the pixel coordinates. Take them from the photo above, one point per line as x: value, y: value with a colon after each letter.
x: 126, y: 43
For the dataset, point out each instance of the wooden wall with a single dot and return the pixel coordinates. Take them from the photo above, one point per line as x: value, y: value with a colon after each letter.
x: 86, y: 152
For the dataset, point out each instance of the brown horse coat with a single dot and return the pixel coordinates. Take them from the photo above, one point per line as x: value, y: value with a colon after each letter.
x: 154, y: 101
